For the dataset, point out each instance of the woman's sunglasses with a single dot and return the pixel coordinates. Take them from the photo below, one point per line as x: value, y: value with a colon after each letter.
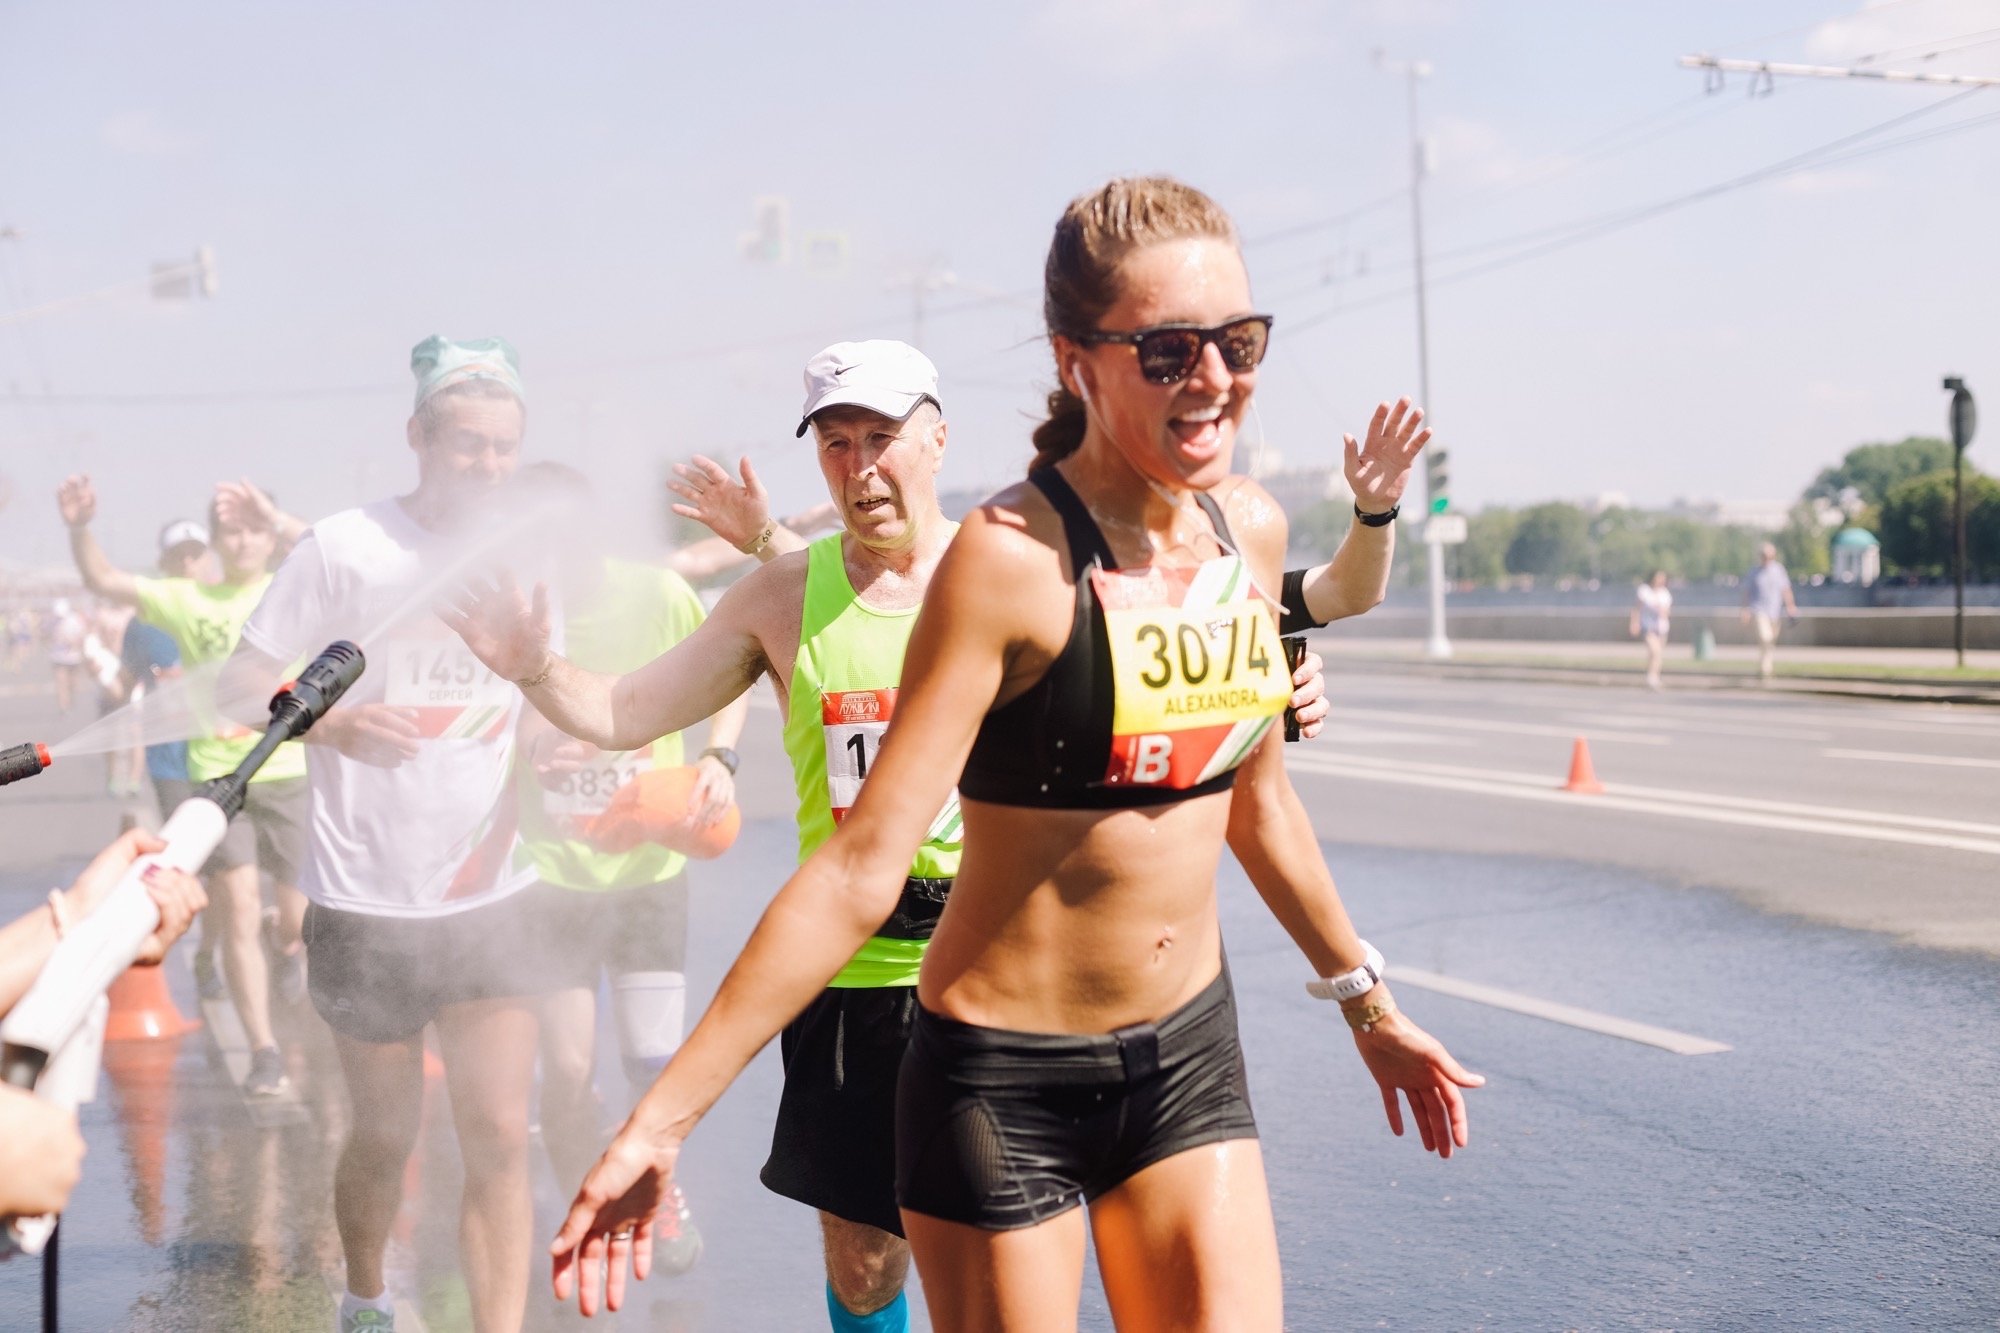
x: 1168, y: 353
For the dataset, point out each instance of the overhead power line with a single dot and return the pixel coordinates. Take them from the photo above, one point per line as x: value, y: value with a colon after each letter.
x: 1770, y: 68
x: 1575, y: 233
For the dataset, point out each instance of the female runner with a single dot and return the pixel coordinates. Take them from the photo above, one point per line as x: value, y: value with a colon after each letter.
x: 1097, y: 656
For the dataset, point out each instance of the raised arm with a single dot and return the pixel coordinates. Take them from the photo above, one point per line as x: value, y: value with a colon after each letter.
x: 508, y: 630
x: 737, y: 512
x: 76, y: 499
x: 241, y: 502
x: 1377, y: 470
x: 951, y: 673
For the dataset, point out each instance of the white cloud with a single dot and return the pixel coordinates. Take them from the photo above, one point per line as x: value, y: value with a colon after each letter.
x: 1890, y: 25
x: 1472, y: 152
x: 1829, y: 393
x: 1411, y: 13
x: 1829, y: 182
x: 144, y: 134
x: 1126, y: 38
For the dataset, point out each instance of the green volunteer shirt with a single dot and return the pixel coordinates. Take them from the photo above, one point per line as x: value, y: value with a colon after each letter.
x: 636, y: 613
x: 205, y: 620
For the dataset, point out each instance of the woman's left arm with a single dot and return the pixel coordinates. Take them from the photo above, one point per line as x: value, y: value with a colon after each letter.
x: 1273, y: 838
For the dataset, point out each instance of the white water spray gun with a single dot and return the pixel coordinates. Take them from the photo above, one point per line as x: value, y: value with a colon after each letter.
x: 50, y: 1042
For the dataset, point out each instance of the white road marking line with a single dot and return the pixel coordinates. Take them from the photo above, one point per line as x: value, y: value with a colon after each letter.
x: 1400, y: 717
x: 1897, y: 757
x: 1778, y: 708
x: 1680, y: 1043
x: 1542, y: 781
x: 1334, y: 733
x: 1714, y: 727
x: 1902, y: 717
x: 1547, y: 792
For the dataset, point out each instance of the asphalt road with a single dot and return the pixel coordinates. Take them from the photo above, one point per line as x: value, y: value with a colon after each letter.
x: 1757, y: 876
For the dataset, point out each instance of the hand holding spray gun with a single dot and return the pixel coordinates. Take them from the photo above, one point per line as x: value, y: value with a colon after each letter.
x: 50, y: 1041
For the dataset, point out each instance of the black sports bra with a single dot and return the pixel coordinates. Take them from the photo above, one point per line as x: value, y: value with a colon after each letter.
x: 1204, y: 671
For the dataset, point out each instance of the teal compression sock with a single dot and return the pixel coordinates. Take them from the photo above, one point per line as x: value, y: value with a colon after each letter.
x: 891, y: 1318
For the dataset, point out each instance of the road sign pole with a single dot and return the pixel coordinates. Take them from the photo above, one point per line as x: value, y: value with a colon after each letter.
x: 1958, y: 552
x: 1964, y: 418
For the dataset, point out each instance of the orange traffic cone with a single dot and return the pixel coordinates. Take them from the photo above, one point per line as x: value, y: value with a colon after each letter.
x: 1582, y: 776
x: 143, y: 1010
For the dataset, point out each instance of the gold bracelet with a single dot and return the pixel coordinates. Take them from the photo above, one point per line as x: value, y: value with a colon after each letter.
x: 548, y: 669
x: 763, y: 539
x: 1367, y: 1016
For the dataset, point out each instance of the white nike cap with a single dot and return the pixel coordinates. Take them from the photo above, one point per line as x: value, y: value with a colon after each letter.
x: 881, y: 374
x: 182, y: 532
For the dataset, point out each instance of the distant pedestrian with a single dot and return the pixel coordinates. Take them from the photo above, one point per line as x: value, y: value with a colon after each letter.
x: 1767, y: 600
x: 64, y: 632
x: 1650, y: 620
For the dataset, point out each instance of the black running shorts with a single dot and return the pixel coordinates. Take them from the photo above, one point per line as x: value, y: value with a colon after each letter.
x: 834, y: 1147
x: 613, y: 930
x: 1002, y: 1130
x: 379, y: 979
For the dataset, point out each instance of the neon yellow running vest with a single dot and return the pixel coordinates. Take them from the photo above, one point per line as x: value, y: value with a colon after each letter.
x: 843, y: 696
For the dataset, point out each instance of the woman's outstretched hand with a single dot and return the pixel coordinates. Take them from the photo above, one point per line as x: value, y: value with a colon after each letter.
x: 505, y: 627
x: 609, y: 1229
x: 1409, y: 1062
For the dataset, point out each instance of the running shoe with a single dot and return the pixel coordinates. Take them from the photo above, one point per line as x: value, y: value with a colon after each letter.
x: 267, y: 1074
x: 366, y: 1319
x: 208, y: 982
x: 292, y: 975
x: 676, y: 1239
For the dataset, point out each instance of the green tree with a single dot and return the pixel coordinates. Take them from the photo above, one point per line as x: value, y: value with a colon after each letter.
x: 1804, y: 543
x: 1622, y: 545
x: 1874, y: 469
x: 1551, y: 541
x: 1731, y: 549
x: 1482, y: 556
x: 1917, y: 531
x: 1317, y: 530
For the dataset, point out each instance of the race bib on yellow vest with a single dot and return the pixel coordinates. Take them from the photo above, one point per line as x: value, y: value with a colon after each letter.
x: 581, y: 795
x: 855, y: 722
x: 1197, y: 671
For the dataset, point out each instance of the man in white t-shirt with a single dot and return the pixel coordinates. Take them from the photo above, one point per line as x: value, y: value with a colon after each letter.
x: 410, y: 866
x: 1768, y: 603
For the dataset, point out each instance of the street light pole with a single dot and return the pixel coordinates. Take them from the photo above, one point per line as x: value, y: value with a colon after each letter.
x: 1438, y: 645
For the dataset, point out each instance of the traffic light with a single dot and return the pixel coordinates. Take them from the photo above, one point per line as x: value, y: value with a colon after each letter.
x: 769, y: 240
x: 1437, y: 479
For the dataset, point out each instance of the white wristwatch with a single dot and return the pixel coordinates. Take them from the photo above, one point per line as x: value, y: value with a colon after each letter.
x: 1351, y: 985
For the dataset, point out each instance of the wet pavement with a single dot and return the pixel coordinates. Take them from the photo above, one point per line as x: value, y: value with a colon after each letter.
x: 1836, y: 1168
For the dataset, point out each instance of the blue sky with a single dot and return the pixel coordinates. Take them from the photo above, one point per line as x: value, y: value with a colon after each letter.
x: 579, y: 179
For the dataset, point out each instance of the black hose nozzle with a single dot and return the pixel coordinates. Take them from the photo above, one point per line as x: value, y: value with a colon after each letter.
x: 23, y: 761
x: 296, y: 706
